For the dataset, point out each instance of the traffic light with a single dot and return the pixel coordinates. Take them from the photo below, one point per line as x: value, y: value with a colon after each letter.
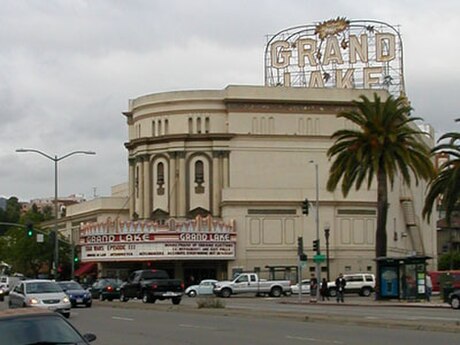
x: 316, y: 246
x: 303, y: 257
x: 305, y: 206
x: 30, y: 229
x: 76, y: 259
x: 299, y: 245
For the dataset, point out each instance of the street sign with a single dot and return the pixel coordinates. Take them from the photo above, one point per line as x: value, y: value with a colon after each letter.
x: 319, y: 258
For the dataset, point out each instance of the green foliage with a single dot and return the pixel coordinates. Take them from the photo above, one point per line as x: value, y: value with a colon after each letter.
x: 446, y: 184
x: 445, y: 260
x: 210, y: 302
x: 23, y: 252
x: 383, y: 144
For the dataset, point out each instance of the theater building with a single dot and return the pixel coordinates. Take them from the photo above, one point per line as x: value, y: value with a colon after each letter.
x: 217, y: 177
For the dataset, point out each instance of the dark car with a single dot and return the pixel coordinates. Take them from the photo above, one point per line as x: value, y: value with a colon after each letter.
x: 454, y: 299
x: 106, y: 289
x: 38, y: 326
x: 77, y: 295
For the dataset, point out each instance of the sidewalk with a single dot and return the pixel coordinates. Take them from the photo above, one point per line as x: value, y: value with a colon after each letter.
x: 436, y: 302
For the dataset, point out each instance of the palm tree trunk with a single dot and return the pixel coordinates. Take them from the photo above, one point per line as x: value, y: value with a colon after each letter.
x: 381, y: 233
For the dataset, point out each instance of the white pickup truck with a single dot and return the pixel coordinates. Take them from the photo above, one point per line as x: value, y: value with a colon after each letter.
x: 250, y: 283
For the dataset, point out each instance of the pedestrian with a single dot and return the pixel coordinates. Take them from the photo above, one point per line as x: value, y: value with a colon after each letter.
x: 340, y: 283
x: 428, y: 287
x: 313, y: 288
x: 324, y: 290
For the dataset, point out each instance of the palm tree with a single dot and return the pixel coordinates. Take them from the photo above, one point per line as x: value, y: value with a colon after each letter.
x: 447, y: 182
x: 384, y: 144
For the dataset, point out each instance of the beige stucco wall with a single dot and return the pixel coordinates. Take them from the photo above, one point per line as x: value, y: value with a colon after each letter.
x: 257, y: 144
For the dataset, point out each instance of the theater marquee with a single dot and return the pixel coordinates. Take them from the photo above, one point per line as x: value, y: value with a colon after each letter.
x: 336, y: 53
x: 201, y: 238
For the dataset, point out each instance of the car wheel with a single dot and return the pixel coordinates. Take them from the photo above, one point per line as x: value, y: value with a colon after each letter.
x: 176, y: 300
x: 101, y: 297
x: 226, y: 293
x: 146, y: 297
x: 123, y: 298
x: 455, y: 303
x: 192, y: 293
x: 66, y: 315
x: 88, y: 305
x: 366, y: 292
x: 332, y: 292
x: 276, y: 292
x: 110, y: 299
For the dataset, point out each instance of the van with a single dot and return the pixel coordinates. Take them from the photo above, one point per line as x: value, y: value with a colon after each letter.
x: 7, y: 283
x: 438, y: 276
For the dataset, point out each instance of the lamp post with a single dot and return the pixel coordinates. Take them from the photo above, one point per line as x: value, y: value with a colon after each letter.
x: 318, y: 264
x: 327, y: 230
x: 56, y: 159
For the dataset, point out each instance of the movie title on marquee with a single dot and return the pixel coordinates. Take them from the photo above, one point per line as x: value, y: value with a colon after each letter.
x: 336, y: 53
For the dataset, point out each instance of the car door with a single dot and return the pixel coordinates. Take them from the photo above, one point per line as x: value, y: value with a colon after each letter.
x: 17, y: 296
x: 206, y: 287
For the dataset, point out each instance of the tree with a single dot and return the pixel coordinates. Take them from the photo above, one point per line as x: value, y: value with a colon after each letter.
x: 446, y: 183
x: 384, y: 144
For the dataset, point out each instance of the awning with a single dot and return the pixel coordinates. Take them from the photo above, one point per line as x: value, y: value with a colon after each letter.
x: 85, y: 268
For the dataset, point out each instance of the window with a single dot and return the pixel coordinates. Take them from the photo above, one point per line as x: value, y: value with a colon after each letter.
x: 206, y: 125
x: 198, y: 125
x: 160, y: 178
x: 199, y: 177
x: 166, y: 126
x: 190, y: 125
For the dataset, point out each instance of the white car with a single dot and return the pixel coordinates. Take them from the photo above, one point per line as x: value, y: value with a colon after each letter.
x: 304, y: 286
x: 40, y: 293
x: 205, y: 287
x: 360, y: 283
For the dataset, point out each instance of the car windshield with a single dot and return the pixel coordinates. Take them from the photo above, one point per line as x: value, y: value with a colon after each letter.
x: 115, y: 282
x: 42, y: 287
x: 38, y: 330
x: 70, y: 286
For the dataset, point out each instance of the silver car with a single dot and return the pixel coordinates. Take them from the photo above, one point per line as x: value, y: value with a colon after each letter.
x: 45, y: 294
x: 205, y: 287
x: 305, y: 286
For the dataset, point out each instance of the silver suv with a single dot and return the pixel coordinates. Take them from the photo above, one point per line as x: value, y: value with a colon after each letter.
x: 360, y: 283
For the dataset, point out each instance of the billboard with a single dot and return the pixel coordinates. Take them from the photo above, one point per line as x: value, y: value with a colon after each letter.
x: 337, y: 53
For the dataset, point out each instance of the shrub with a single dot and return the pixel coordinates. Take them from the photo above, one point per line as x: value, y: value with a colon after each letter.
x: 210, y: 302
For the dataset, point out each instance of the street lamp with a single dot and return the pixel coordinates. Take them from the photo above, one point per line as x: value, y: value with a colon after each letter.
x: 56, y: 159
x: 327, y: 230
x: 318, y: 263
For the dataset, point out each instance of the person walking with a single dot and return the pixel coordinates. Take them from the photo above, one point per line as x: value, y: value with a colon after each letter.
x: 428, y: 287
x: 324, y: 290
x: 313, y: 288
x: 340, y: 283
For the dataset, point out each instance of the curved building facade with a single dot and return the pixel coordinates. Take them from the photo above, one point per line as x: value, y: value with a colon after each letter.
x: 246, y: 157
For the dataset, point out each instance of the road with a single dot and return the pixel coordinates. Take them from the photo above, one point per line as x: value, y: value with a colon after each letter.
x: 265, y: 321
x: 166, y: 325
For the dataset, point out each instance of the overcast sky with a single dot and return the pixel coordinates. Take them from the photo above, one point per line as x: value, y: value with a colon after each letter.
x: 69, y: 67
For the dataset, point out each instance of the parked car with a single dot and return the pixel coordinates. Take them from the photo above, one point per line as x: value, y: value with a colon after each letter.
x: 106, y: 289
x: 2, y: 294
x: 38, y: 326
x: 8, y: 282
x: 77, y: 295
x: 205, y: 287
x: 360, y: 283
x: 250, y: 283
x: 152, y: 285
x: 40, y: 293
x: 304, y: 286
x: 454, y: 299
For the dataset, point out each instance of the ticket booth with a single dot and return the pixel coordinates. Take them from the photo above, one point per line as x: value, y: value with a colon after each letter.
x: 402, y: 277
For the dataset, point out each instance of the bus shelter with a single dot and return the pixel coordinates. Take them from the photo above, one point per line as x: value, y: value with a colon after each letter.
x: 403, y: 277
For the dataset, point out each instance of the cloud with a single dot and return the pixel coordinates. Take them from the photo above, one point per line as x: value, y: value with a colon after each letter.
x: 68, y: 69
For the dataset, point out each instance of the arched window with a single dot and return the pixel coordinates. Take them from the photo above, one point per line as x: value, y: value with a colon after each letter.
x: 160, y: 178
x: 199, y: 177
